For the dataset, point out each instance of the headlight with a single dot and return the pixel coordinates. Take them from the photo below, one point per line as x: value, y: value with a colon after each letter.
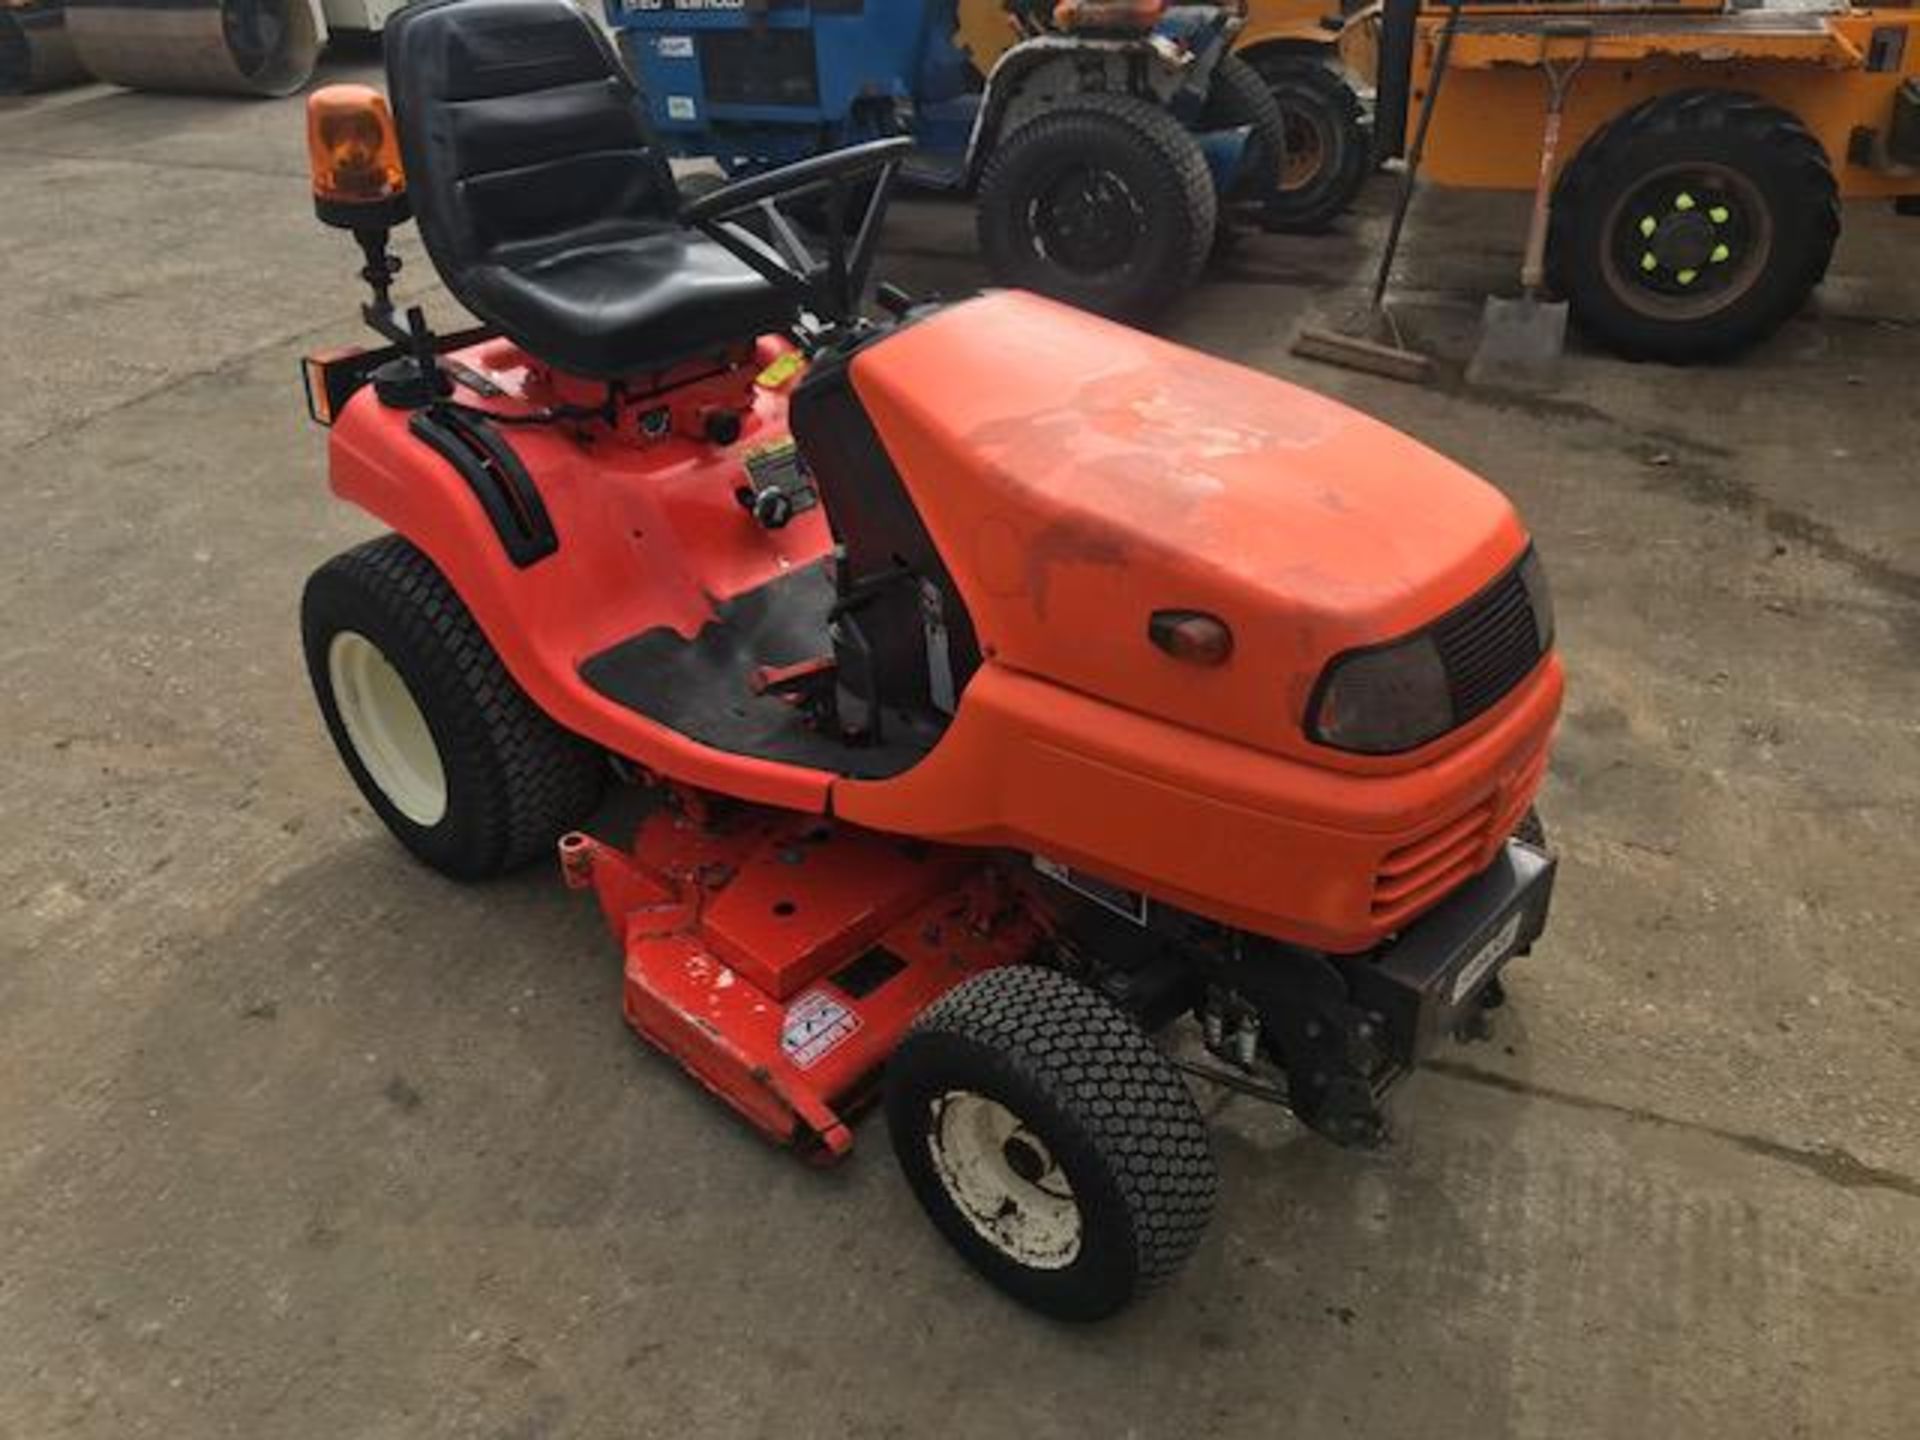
x: 1398, y: 696
x: 1384, y: 700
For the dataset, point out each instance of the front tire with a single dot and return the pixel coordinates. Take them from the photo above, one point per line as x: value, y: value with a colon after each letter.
x: 1693, y: 226
x: 1049, y: 1141
x: 462, y: 767
x: 1105, y: 203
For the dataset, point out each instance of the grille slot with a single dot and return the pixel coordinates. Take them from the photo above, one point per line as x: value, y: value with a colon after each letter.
x: 1488, y: 646
x: 1421, y: 871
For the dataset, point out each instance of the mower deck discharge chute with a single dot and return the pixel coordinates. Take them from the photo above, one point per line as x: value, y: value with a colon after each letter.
x: 1014, y: 684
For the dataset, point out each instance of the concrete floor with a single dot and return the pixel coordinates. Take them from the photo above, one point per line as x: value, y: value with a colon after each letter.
x: 298, y: 1140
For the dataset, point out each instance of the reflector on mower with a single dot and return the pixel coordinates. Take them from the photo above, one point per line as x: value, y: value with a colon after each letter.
x: 354, y: 156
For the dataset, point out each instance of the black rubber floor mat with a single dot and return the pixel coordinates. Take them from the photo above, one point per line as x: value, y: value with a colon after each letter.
x: 703, y: 687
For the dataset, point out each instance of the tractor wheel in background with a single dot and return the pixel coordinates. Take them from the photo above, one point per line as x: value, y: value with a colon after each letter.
x: 1105, y: 203
x: 466, y: 772
x: 1238, y: 96
x: 1693, y: 225
x: 1329, y: 145
x: 1050, y: 1142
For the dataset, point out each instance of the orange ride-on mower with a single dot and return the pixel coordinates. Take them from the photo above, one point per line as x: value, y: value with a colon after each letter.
x: 1014, y: 684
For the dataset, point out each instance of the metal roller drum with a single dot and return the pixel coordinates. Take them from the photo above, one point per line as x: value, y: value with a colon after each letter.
x: 36, y: 53
x: 234, y: 47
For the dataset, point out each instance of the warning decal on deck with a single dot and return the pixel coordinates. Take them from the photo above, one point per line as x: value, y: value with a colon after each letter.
x: 816, y: 1023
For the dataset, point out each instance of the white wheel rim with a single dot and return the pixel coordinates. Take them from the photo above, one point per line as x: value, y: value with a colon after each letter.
x: 1025, y: 1210
x: 388, y: 733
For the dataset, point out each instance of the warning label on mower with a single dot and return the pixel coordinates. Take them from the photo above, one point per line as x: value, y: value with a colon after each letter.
x: 815, y: 1026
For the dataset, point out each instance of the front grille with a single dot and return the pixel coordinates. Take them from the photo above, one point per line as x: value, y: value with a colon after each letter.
x: 1488, y: 646
x: 1420, y: 872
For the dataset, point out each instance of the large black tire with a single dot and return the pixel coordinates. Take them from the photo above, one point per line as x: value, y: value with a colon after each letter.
x: 1102, y: 1116
x: 1693, y: 226
x: 1329, y: 145
x: 512, y: 780
x: 1105, y: 203
x: 1238, y: 96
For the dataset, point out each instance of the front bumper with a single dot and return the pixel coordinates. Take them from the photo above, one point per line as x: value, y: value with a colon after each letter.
x: 1327, y: 860
x: 1348, y: 1028
x: 1429, y: 983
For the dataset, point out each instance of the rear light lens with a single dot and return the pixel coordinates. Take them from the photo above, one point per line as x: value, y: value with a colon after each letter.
x: 1384, y: 700
x: 313, y: 373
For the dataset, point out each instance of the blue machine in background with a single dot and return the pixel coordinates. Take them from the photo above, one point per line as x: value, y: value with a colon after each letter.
x: 1166, y: 128
x: 755, y: 85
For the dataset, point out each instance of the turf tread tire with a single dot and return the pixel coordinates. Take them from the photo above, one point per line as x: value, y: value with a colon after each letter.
x: 1313, y: 84
x: 1184, y: 189
x: 1239, y: 96
x: 1805, y: 200
x: 516, y: 781
x: 1070, y: 1055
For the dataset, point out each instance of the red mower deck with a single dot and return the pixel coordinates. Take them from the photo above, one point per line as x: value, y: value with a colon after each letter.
x: 780, y: 958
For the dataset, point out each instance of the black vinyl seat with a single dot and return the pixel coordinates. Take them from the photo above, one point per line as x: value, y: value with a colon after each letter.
x: 545, y: 202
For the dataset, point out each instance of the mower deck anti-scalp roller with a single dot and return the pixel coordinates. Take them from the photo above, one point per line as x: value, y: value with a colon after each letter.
x: 1008, y: 684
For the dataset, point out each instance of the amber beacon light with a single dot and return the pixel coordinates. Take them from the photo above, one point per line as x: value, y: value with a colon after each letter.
x: 358, y: 183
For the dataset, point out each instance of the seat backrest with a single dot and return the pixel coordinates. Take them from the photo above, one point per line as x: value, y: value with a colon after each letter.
x: 519, y: 130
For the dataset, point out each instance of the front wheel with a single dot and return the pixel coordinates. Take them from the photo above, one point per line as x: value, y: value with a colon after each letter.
x: 1105, y: 203
x: 464, y: 769
x: 1693, y: 226
x: 1049, y: 1141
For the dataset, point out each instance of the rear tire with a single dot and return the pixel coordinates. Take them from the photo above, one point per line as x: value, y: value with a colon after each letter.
x: 1238, y: 96
x: 1049, y: 1141
x: 1105, y: 203
x: 1329, y: 145
x: 1693, y: 226
x: 464, y: 769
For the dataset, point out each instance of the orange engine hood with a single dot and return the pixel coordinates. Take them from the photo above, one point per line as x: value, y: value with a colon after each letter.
x: 1078, y: 475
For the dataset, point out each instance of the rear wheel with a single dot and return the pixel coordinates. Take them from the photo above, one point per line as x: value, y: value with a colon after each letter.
x: 1050, y: 1142
x: 466, y: 772
x: 1105, y: 203
x: 1693, y: 226
x: 1329, y: 147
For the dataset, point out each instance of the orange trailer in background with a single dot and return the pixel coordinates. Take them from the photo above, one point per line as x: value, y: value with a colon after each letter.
x: 1705, y: 152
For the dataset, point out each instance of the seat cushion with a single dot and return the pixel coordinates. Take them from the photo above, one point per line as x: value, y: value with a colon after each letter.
x: 544, y: 200
x: 642, y: 298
